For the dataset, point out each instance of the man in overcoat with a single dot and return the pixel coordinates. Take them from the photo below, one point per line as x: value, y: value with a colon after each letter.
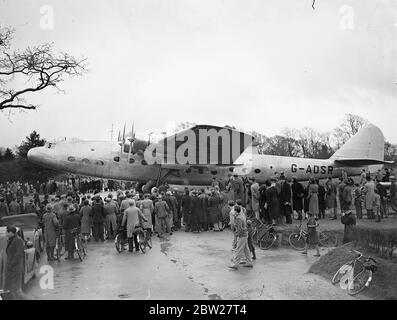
x: 15, y: 265
x: 51, y: 224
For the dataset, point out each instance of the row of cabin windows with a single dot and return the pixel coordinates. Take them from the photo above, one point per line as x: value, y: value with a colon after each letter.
x: 101, y: 163
x: 143, y: 162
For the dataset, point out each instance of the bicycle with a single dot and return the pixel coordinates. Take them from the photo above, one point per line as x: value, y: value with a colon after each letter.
x: 120, y: 240
x: 355, y: 275
x: 78, y: 244
x: 144, y: 239
x: 297, y: 240
x: 60, y: 245
x: 264, y: 236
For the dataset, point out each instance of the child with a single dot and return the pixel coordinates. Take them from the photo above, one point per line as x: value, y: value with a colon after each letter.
x: 349, y: 220
x: 357, y: 201
x: 376, y: 205
x: 312, y: 236
x: 250, y: 230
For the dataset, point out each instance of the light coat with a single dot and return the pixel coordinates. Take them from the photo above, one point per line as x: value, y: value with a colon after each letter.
x: 51, y: 223
x: 131, y: 217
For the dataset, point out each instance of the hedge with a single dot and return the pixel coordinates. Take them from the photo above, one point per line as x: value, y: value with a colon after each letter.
x: 382, y: 242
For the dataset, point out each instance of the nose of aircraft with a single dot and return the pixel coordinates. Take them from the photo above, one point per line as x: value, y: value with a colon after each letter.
x: 34, y: 154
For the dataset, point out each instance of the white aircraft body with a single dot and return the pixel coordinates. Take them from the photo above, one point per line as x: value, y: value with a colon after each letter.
x: 131, y: 159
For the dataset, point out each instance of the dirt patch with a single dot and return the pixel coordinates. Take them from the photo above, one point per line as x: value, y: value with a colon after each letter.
x: 384, y: 280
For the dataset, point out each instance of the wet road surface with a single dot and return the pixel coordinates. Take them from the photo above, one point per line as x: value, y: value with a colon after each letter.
x: 186, y: 266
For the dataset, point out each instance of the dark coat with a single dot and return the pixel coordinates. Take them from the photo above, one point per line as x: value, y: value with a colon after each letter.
x: 186, y: 205
x: 15, y: 264
x: 321, y: 197
x: 215, y: 209
x: 72, y: 221
x: 273, y: 203
x: 285, y: 193
x: 349, y: 220
x: 98, y: 213
x: 297, y: 196
x: 196, y: 210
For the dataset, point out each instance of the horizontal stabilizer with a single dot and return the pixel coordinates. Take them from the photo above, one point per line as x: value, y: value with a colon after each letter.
x: 361, y: 162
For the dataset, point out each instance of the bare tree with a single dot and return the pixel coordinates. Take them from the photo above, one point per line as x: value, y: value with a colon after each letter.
x: 348, y: 128
x: 36, y: 67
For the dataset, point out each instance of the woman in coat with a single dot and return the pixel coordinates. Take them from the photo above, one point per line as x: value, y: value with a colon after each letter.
x: 369, y: 191
x: 51, y: 225
x: 147, y: 209
x: 86, y: 220
x: 313, y: 197
x: 215, y: 211
x: 330, y: 199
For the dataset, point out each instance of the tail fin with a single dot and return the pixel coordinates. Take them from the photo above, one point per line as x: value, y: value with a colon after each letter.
x: 366, y: 147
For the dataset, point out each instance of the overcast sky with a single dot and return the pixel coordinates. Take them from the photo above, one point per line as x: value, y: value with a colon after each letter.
x: 255, y: 64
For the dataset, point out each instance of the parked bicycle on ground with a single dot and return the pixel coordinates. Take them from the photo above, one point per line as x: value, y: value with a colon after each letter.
x: 297, y: 240
x: 356, y: 275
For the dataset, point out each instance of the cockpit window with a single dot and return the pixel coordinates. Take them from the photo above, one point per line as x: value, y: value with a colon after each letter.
x: 86, y: 161
x: 126, y: 148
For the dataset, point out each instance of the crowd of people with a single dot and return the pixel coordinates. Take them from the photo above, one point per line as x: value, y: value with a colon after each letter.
x: 227, y: 203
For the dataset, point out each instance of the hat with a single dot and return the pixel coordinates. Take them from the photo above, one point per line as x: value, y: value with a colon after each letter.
x: 231, y: 203
x: 71, y: 209
x: 48, y: 208
x: 69, y: 198
x: 108, y: 199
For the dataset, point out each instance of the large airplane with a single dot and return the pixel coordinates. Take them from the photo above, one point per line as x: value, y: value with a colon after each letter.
x: 196, y: 155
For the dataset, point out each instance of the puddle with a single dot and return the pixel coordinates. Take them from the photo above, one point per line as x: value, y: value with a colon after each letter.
x: 124, y: 296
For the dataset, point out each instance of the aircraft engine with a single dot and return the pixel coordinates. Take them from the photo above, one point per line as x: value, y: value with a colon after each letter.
x: 139, y: 146
x: 148, y: 186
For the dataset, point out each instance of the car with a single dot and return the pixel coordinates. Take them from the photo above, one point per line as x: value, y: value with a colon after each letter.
x: 28, y: 229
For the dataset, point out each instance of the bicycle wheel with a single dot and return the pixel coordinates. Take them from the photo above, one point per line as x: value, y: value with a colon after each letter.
x: 142, y: 246
x: 341, y: 272
x: 297, y: 241
x: 267, y: 241
x: 118, y: 242
x: 78, y: 249
x: 327, y: 239
x: 359, y: 282
x: 149, y: 241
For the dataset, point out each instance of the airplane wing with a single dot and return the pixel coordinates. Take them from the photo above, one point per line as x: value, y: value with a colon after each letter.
x: 206, y: 145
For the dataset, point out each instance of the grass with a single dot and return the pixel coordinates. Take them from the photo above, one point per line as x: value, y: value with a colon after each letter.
x: 384, y: 281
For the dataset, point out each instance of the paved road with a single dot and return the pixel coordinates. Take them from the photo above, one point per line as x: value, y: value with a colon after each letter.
x: 186, y: 266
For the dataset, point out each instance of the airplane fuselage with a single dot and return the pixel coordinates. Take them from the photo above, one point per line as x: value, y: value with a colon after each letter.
x: 106, y: 160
